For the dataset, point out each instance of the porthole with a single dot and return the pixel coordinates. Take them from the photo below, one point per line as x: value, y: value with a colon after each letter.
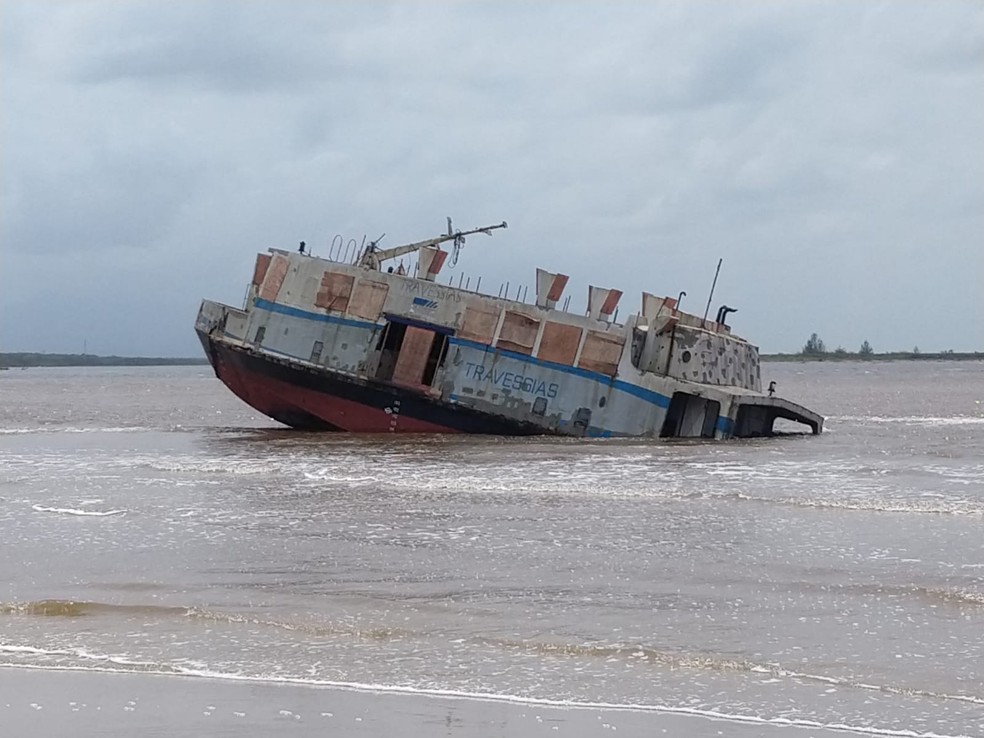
x: 685, y: 357
x: 602, y: 401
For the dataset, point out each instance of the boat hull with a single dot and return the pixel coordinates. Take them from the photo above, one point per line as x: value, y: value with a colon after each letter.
x: 308, y: 398
x: 322, y: 345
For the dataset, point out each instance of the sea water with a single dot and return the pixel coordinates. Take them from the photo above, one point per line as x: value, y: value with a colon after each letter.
x: 152, y: 523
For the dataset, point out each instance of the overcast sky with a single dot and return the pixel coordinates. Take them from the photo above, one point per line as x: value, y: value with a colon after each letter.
x: 832, y: 153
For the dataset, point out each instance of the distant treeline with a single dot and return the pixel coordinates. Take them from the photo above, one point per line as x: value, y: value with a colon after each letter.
x: 890, y: 356
x: 29, y: 359
x: 816, y: 350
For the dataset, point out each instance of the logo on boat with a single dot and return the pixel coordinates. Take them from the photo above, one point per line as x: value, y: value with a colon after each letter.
x: 425, y: 303
x: 511, y: 380
x: 430, y: 292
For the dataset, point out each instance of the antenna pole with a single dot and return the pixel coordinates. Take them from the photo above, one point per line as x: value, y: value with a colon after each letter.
x: 711, y: 296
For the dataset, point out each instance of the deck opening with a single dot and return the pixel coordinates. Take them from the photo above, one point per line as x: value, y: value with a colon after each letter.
x: 690, y: 416
x: 410, y: 354
x: 388, y: 346
x: 435, y: 359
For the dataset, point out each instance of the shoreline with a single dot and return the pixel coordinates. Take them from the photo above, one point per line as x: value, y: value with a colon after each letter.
x: 47, y: 701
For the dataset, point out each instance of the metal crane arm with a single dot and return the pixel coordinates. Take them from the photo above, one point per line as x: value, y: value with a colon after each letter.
x: 374, y: 257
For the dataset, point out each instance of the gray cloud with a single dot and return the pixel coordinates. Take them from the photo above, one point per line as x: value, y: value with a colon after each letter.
x: 829, y: 152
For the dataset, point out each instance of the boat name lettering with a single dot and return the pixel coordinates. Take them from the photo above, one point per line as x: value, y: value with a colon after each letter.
x: 431, y: 291
x: 511, y: 380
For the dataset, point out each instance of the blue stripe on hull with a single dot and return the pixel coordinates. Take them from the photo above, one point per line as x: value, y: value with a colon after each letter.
x: 276, y: 307
x: 633, y: 389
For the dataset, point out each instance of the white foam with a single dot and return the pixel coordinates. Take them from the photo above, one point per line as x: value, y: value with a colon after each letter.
x: 32, y: 650
x: 913, y: 419
x: 74, y: 511
x: 873, y: 504
x: 76, y: 429
x: 199, y: 466
x: 375, y: 688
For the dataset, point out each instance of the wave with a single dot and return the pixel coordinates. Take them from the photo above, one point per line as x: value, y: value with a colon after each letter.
x: 934, y: 595
x: 936, y: 507
x: 912, y: 419
x: 712, y: 663
x: 188, y: 670
x: 316, y: 629
x: 629, y: 653
x: 74, y: 609
x: 955, y: 596
x: 77, y: 429
x: 244, y: 467
x: 74, y: 511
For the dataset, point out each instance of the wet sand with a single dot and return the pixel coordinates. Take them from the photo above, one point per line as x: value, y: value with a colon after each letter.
x: 76, y: 703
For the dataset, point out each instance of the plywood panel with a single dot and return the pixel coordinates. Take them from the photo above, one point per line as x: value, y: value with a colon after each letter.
x: 368, y: 299
x: 601, y: 352
x: 518, y: 333
x: 260, y: 270
x: 412, y: 360
x: 274, y: 278
x: 559, y: 343
x: 335, y: 291
x: 479, y: 323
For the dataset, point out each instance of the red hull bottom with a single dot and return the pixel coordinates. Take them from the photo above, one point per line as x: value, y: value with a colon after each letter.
x: 299, y: 406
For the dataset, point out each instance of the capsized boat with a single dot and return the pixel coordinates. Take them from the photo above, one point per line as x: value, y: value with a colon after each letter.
x: 344, y: 344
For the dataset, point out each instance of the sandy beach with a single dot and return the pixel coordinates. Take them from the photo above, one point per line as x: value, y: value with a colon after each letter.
x: 80, y: 703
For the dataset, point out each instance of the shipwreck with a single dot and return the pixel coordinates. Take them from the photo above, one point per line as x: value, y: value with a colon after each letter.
x: 360, y: 344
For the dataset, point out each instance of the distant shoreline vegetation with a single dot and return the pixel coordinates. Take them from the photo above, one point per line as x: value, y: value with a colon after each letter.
x: 891, y: 356
x: 815, y: 350
x: 23, y: 360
